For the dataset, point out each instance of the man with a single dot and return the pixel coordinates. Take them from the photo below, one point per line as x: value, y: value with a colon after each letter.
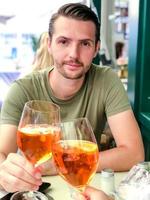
x: 81, y: 89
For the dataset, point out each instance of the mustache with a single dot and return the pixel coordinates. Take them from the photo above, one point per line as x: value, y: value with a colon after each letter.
x: 76, y: 61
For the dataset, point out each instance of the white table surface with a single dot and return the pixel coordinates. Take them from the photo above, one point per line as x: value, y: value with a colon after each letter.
x: 59, y: 189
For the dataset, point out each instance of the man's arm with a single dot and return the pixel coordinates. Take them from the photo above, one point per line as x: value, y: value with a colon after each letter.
x: 7, y: 140
x: 129, y: 150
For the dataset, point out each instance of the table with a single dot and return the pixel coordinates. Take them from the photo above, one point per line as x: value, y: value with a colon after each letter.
x: 60, y: 190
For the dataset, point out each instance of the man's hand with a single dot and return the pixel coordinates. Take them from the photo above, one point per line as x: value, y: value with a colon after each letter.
x: 18, y: 174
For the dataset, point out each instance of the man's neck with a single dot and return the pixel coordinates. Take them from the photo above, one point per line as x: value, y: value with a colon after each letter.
x: 64, y: 88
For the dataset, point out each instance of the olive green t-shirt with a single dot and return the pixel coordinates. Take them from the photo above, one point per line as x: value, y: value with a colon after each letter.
x: 102, y: 95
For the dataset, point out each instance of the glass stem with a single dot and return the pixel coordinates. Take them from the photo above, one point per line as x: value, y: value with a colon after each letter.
x: 77, y: 193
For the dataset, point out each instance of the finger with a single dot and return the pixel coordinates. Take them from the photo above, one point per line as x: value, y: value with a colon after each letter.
x: 13, y: 184
x: 94, y: 193
x: 23, y: 163
x: 22, y: 174
x: 90, y: 189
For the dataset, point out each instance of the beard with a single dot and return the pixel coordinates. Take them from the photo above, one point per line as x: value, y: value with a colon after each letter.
x: 74, y: 73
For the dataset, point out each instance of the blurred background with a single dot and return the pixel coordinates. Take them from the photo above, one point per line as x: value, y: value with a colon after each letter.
x: 21, y: 24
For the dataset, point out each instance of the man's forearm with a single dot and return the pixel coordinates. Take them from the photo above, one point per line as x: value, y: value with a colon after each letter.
x: 118, y: 159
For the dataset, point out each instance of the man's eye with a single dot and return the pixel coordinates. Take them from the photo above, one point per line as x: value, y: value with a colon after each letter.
x: 84, y: 43
x: 63, y: 42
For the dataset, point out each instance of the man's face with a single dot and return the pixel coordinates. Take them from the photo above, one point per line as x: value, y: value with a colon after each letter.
x: 73, y: 46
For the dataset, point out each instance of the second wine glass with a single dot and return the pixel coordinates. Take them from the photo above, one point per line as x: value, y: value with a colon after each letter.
x: 76, y: 153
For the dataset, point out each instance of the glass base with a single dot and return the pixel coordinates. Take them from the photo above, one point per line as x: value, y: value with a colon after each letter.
x: 28, y: 196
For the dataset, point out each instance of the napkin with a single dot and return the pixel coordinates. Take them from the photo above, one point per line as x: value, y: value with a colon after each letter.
x: 136, y: 184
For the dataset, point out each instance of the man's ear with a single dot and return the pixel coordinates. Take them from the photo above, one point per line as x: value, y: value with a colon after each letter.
x: 97, y: 48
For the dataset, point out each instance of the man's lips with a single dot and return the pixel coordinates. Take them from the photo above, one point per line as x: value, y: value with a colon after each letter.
x: 73, y: 64
x: 73, y: 67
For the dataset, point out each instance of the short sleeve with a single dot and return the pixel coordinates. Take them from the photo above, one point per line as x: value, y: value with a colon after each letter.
x: 115, y: 96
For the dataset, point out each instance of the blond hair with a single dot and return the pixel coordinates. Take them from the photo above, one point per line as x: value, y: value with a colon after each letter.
x: 42, y: 57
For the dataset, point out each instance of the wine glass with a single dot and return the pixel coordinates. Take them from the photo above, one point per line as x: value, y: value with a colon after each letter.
x: 38, y: 129
x: 76, y: 154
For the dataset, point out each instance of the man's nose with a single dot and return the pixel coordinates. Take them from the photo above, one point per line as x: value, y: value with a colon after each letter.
x: 74, y: 51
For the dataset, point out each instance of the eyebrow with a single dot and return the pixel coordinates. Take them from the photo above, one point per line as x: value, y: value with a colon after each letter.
x: 88, y: 40
x: 82, y: 40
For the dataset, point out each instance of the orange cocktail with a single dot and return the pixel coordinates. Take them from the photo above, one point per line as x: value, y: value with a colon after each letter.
x: 36, y: 141
x: 76, y: 160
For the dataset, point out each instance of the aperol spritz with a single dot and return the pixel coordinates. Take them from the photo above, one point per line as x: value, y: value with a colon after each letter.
x: 76, y: 153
